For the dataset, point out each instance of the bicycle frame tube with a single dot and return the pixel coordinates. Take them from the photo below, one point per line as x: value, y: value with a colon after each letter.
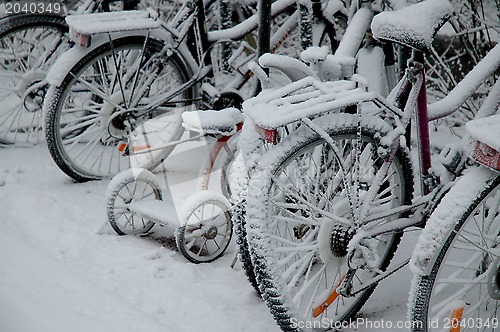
x: 424, y: 145
x: 208, y: 167
x: 237, y: 32
x: 413, y: 97
x: 202, y: 30
x: 467, y: 86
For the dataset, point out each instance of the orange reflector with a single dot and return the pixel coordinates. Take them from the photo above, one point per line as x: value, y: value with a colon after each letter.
x: 331, y: 298
x: 122, y: 147
x: 140, y: 148
x: 456, y: 318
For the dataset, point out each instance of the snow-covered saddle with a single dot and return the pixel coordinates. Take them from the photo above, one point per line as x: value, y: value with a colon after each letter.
x: 223, y: 122
x: 414, y: 26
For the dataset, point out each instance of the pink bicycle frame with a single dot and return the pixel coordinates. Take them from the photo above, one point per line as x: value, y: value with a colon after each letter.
x: 412, y: 85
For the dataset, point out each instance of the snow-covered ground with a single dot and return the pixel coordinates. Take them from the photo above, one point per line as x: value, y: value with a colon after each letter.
x: 62, y: 271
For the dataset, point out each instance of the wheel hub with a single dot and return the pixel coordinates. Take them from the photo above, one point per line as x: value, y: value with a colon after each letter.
x: 333, y: 239
x: 211, y: 233
x: 32, y: 89
x: 115, y: 123
x: 494, y: 280
x: 341, y: 236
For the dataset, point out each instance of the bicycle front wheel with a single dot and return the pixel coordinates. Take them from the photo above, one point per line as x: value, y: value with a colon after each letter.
x: 462, y: 289
x: 297, y: 199
x: 119, y: 106
x: 29, y: 45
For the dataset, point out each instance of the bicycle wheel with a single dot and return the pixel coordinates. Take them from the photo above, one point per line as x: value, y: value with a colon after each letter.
x: 128, y: 186
x: 251, y: 147
x: 462, y: 290
x: 298, y: 249
x: 207, y: 230
x: 29, y: 44
x: 119, y: 106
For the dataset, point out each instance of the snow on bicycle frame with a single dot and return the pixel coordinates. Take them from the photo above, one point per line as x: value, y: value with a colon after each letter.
x: 306, y: 98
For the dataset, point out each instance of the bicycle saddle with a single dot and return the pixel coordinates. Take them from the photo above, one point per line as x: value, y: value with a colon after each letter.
x: 210, y: 122
x: 414, y: 26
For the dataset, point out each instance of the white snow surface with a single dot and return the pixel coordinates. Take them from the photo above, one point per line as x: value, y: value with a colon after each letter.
x: 59, y: 274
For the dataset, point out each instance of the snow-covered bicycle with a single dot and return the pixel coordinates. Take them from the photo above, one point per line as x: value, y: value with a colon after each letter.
x: 132, y: 66
x: 327, y: 206
x: 29, y: 45
x: 456, y: 261
x: 137, y: 199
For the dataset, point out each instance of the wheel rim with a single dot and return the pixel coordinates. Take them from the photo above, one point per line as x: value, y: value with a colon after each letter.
x: 25, y: 60
x: 466, y: 286
x: 207, y: 232
x: 308, y: 267
x: 102, y: 128
x: 122, y: 220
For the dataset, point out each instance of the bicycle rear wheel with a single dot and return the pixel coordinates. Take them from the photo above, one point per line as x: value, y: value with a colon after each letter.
x: 119, y: 106
x: 462, y: 289
x: 29, y: 45
x: 298, y: 246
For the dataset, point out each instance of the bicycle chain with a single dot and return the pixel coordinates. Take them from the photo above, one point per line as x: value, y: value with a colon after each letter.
x: 345, y: 288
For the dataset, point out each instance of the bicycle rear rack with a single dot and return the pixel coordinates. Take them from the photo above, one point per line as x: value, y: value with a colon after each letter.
x: 83, y: 26
x: 305, y: 98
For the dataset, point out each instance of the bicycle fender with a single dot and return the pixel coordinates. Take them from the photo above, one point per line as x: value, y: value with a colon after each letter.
x: 443, y: 219
x: 66, y: 61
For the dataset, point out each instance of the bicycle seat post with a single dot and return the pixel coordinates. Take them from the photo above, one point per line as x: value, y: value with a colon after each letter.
x: 422, y: 116
x: 264, y: 42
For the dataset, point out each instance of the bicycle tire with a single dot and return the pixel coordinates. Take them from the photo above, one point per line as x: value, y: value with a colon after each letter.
x: 29, y: 45
x: 238, y: 214
x: 128, y: 186
x: 457, y: 245
x: 81, y: 110
x: 206, y: 231
x: 292, y: 256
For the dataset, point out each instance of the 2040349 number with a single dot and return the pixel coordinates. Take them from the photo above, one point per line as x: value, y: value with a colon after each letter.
x: 33, y: 7
x: 471, y: 323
